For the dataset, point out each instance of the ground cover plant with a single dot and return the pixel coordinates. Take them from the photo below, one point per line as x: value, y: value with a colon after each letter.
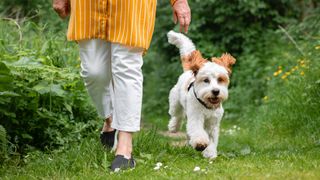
x: 49, y: 129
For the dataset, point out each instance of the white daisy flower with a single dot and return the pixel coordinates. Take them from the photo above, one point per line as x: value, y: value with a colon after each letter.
x: 159, y: 164
x: 196, y: 168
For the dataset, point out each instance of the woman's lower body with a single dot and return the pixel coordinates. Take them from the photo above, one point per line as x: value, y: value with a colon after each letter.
x: 113, y: 77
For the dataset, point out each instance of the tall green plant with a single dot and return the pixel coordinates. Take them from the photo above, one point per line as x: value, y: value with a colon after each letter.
x: 3, y: 143
x: 43, y: 102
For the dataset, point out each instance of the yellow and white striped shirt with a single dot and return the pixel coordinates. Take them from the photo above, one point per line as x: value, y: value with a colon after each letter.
x: 128, y: 22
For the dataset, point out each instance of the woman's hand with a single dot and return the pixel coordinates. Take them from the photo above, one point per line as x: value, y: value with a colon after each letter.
x: 62, y: 7
x: 182, y: 13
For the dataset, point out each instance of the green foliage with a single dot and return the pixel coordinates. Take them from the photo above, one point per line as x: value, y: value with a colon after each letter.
x: 38, y: 11
x: 43, y: 102
x: 3, y: 144
x: 242, y: 28
x: 250, y: 30
x: 237, y: 159
x: 23, y: 8
x: 290, y: 107
x: 45, y: 106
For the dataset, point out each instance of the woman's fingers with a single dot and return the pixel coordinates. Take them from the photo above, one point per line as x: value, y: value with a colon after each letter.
x: 175, y: 18
x: 61, y: 7
x: 182, y: 12
x: 182, y: 22
x: 187, y: 23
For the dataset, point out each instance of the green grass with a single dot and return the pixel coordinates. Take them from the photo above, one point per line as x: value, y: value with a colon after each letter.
x: 279, y: 117
x: 279, y: 139
x: 240, y: 157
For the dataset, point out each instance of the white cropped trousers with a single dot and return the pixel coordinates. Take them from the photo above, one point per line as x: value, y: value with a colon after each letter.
x: 113, y: 77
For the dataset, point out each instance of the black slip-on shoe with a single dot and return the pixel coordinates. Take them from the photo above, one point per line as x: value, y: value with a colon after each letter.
x: 107, y: 138
x: 122, y: 163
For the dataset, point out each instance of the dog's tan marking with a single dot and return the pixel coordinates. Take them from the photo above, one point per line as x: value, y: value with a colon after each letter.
x: 193, y: 62
x: 226, y: 60
x: 222, y: 79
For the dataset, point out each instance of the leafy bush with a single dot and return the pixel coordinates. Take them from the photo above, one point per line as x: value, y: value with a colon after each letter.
x: 45, y: 106
x: 23, y: 8
x: 43, y: 102
x: 3, y: 144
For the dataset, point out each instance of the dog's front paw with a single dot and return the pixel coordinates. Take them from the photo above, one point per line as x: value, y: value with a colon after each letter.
x: 199, y: 143
x: 210, y: 153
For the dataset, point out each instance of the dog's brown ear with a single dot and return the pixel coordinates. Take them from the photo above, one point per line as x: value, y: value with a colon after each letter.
x: 226, y: 60
x: 193, y: 62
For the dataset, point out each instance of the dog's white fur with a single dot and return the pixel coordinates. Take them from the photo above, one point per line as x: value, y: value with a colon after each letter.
x: 202, y: 123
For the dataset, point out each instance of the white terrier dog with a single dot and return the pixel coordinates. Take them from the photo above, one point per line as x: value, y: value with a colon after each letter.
x: 199, y: 94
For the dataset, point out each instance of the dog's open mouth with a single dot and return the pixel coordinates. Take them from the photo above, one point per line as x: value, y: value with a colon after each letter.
x: 214, y: 100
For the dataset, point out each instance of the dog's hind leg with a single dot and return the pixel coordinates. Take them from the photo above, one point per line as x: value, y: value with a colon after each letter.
x: 175, y: 110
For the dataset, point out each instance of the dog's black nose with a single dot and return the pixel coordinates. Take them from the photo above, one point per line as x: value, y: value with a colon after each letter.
x: 215, y: 92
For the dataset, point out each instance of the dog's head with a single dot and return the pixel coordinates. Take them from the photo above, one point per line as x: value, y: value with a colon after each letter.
x: 211, y: 77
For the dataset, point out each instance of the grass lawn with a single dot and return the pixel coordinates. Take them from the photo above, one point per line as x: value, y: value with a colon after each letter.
x: 274, y: 98
x: 271, y: 125
x: 240, y: 157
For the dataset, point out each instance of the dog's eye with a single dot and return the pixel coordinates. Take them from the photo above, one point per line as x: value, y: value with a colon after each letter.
x: 220, y: 80
x: 206, y: 80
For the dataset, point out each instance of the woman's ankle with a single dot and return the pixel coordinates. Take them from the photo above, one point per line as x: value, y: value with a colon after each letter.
x: 124, y: 146
x: 125, y: 153
x: 107, y: 125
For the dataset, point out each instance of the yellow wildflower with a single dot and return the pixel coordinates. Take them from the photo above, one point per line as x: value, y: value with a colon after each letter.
x: 302, y: 73
x: 287, y: 73
x: 284, y: 77
x: 317, y: 47
x: 277, y: 72
x: 265, y: 98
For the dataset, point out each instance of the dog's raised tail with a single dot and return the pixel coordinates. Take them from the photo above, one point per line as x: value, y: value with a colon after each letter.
x: 185, y: 45
x: 190, y: 58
